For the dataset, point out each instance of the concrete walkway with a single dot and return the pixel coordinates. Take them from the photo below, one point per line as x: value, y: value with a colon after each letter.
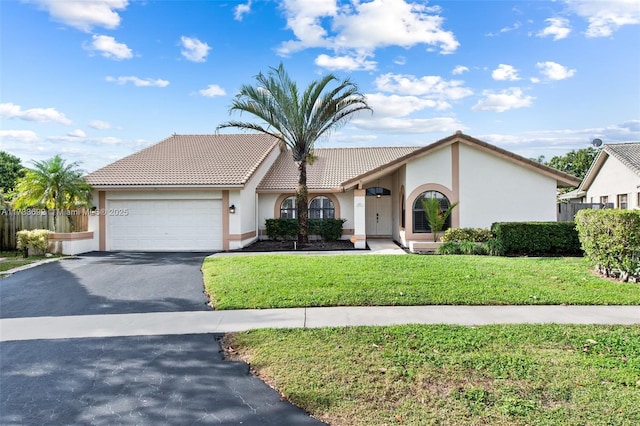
x: 199, y: 322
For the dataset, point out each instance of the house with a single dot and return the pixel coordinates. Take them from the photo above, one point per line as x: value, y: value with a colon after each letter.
x: 614, y: 177
x: 214, y: 192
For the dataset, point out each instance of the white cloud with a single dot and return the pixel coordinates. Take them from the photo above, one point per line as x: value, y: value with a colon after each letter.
x: 78, y: 133
x: 82, y: 14
x: 606, y: 16
x: 559, y: 28
x: 400, y: 60
x: 459, y: 69
x: 100, y: 125
x: 19, y: 135
x: 40, y: 115
x: 432, y: 86
x: 505, y: 72
x: 396, y: 105
x: 554, y: 71
x: 397, y: 23
x: 110, y: 48
x: 241, y: 10
x: 502, y: 101
x: 409, y: 125
x: 138, y: 81
x: 212, y: 90
x: 194, y: 49
x: 514, y: 27
x: 346, y: 63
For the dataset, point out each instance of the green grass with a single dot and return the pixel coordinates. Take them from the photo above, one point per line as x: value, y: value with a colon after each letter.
x: 14, y: 259
x: 279, y: 281
x: 453, y: 375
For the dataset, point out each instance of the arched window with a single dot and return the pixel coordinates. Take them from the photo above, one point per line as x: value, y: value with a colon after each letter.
x: 288, y: 208
x: 321, y: 208
x: 420, y: 224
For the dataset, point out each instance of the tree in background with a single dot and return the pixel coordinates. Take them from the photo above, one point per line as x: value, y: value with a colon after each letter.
x: 297, y: 119
x: 10, y: 171
x: 52, y: 184
x: 576, y: 163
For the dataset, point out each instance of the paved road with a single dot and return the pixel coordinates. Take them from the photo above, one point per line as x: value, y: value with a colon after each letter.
x: 142, y: 380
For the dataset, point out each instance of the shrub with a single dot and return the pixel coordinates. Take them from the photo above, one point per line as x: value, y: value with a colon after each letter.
x: 36, y: 240
x: 282, y: 229
x: 287, y: 229
x: 493, y: 247
x: 449, y: 247
x: 478, y: 235
x: 611, y: 240
x: 327, y: 229
x: 538, y: 238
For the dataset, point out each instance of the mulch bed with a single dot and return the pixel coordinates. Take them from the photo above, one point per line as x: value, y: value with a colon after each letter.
x: 271, y: 245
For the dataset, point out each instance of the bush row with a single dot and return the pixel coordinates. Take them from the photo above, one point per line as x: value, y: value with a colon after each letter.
x: 477, y: 235
x: 287, y: 229
x: 611, y: 240
x: 537, y: 238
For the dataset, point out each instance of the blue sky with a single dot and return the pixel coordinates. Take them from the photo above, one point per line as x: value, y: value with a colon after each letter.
x: 94, y: 81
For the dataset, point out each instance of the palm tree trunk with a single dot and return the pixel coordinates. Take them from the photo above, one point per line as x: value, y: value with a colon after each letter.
x: 302, y: 195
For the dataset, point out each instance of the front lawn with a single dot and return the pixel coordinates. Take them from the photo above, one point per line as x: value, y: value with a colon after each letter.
x: 14, y: 259
x: 452, y: 375
x: 280, y: 281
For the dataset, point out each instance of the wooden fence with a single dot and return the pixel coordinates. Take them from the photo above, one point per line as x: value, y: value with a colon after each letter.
x: 12, y: 221
x: 567, y: 211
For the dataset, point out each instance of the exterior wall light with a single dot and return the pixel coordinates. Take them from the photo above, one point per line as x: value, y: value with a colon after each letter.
x: 232, y: 209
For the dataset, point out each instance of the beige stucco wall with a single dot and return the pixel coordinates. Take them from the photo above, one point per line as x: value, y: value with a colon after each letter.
x: 432, y: 168
x: 493, y: 189
x: 615, y: 178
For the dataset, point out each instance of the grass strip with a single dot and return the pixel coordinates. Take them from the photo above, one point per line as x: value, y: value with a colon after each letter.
x: 452, y: 375
x: 281, y: 281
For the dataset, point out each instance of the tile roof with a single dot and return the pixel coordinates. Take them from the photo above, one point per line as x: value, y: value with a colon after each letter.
x: 191, y: 160
x: 627, y: 153
x: 331, y: 168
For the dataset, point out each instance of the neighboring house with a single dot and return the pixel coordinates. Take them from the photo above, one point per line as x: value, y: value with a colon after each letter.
x: 214, y: 192
x: 614, y: 177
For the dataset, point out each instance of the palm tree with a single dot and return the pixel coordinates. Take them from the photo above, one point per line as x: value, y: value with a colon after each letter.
x: 297, y: 119
x: 52, y: 184
x: 436, y: 215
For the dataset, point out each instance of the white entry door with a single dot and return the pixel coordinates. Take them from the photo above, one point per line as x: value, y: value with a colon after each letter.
x: 378, y: 214
x: 164, y: 225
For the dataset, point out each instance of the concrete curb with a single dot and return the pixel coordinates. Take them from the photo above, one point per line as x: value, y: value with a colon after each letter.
x: 31, y: 265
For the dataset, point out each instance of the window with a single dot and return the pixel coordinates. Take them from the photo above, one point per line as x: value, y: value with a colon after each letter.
x: 321, y: 208
x: 420, y: 224
x: 622, y: 201
x: 638, y: 200
x: 604, y: 199
x: 288, y: 208
x: 378, y: 191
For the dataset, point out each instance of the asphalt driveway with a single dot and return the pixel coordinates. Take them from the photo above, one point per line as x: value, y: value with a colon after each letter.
x: 106, y: 283
x: 138, y: 380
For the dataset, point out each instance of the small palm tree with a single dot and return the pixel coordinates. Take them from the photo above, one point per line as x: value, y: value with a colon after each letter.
x: 52, y: 184
x: 436, y: 216
x: 297, y: 119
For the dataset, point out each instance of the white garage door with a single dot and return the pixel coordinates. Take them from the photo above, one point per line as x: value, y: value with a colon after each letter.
x: 164, y: 225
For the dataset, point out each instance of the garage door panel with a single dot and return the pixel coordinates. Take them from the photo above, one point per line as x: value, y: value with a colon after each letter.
x: 165, y: 225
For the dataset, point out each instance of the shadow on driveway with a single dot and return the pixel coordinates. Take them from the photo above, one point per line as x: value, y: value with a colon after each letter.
x: 106, y: 283
x: 149, y: 380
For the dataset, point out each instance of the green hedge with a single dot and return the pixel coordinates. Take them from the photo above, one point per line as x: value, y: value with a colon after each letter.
x: 537, y: 238
x: 611, y: 240
x: 287, y: 229
x: 475, y: 235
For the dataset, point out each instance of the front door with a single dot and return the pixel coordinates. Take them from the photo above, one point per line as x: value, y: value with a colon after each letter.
x: 378, y: 213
